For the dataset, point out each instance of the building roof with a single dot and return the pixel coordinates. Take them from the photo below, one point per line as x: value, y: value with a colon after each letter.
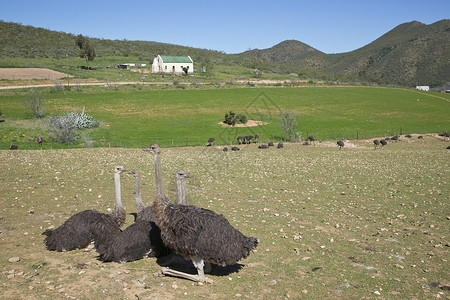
x: 176, y: 59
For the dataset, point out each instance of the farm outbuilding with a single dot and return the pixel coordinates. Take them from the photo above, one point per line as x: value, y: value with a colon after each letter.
x: 172, y: 64
x: 423, y: 88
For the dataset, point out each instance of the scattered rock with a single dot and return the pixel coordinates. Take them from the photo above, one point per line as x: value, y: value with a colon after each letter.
x: 14, y: 259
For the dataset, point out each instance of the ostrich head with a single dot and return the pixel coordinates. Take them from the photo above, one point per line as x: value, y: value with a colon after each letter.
x: 182, y: 174
x: 119, y: 169
x: 134, y: 173
x: 154, y: 148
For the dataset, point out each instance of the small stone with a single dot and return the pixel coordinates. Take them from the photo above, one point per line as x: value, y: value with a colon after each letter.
x: 174, y: 286
x: 14, y: 259
x: 305, y: 291
x: 377, y: 293
x: 399, y: 266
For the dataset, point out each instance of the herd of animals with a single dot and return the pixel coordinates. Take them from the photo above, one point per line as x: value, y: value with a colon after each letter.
x: 311, y: 141
x: 172, y: 232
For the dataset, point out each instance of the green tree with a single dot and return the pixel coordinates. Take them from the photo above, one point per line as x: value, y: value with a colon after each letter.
x: 86, y: 49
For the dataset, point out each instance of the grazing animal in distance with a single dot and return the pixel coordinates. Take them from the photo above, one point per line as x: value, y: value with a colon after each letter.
x: 82, y: 228
x: 408, y: 136
x: 13, y: 147
x: 270, y: 144
x: 340, y: 144
x: 383, y: 143
x: 377, y: 143
x: 256, y: 138
x: 263, y: 146
x: 420, y: 137
x: 280, y: 145
x: 240, y: 139
x: 198, y: 234
x: 210, y: 142
x: 225, y: 149
x: 234, y: 148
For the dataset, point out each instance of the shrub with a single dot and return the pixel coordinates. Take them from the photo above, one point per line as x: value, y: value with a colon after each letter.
x: 241, y: 119
x: 62, y: 128
x: 34, y: 103
x: 230, y: 118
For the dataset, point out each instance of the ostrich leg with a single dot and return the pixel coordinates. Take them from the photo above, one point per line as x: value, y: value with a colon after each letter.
x: 200, y: 277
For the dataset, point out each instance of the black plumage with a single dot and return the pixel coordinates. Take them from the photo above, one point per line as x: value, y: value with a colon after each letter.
x: 340, y: 144
x: 198, y: 234
x: 86, y: 226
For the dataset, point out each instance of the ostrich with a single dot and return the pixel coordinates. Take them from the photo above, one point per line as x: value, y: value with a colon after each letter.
x: 13, y: 147
x: 210, y: 142
x: 340, y: 144
x: 196, y: 233
x: 89, y: 225
x: 225, y: 149
x: 263, y: 146
x: 377, y: 143
x: 240, y: 139
x: 280, y: 145
x: 234, y: 148
x: 408, y: 136
x: 40, y: 140
x: 256, y: 138
x: 311, y: 138
x: 383, y: 143
x: 395, y: 138
x: 270, y: 144
x: 420, y: 137
x: 143, y: 238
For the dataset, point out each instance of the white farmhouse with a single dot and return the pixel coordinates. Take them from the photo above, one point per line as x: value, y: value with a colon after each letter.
x: 172, y: 64
x: 423, y: 88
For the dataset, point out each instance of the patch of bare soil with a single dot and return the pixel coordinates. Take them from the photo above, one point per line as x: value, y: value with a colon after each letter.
x: 250, y: 123
x: 30, y: 73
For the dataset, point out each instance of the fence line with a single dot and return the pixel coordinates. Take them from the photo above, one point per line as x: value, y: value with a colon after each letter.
x: 195, y: 141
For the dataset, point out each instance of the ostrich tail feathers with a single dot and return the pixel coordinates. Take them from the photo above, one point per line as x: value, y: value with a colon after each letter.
x: 48, y: 232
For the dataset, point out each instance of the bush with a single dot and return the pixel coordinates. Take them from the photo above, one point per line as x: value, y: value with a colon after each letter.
x: 62, y: 128
x: 230, y: 118
x: 241, y: 119
x: 34, y: 103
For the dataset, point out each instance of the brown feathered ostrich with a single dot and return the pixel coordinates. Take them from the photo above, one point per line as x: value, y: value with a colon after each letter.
x: 198, y: 234
x: 82, y: 228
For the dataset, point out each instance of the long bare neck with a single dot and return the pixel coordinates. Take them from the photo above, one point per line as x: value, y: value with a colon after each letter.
x: 181, y: 190
x: 158, y: 176
x: 138, y: 200
x: 119, y: 210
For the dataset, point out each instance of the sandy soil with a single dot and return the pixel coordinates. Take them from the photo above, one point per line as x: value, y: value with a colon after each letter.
x: 30, y: 73
x: 250, y: 123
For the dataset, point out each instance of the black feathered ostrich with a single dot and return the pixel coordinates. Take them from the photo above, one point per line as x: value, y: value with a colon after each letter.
x: 197, y: 234
x: 82, y: 228
x: 143, y: 238
x: 376, y: 143
x: 340, y: 144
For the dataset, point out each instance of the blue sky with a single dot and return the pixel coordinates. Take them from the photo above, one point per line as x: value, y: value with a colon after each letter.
x: 230, y: 26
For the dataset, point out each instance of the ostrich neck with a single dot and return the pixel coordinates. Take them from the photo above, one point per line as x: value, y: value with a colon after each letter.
x: 158, y: 177
x: 119, y: 209
x: 138, y: 200
x: 181, y: 191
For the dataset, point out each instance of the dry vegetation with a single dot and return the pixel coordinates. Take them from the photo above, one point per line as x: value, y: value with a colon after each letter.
x: 353, y: 224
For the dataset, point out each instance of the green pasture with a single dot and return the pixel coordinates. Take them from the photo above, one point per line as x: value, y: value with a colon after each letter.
x: 133, y: 116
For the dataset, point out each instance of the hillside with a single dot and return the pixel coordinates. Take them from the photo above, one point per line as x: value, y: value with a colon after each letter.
x: 408, y: 55
x: 411, y: 53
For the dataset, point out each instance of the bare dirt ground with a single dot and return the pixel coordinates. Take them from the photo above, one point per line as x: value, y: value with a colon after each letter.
x: 30, y: 73
x: 250, y: 123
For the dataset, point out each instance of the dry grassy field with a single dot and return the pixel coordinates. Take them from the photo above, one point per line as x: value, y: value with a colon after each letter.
x: 355, y: 223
